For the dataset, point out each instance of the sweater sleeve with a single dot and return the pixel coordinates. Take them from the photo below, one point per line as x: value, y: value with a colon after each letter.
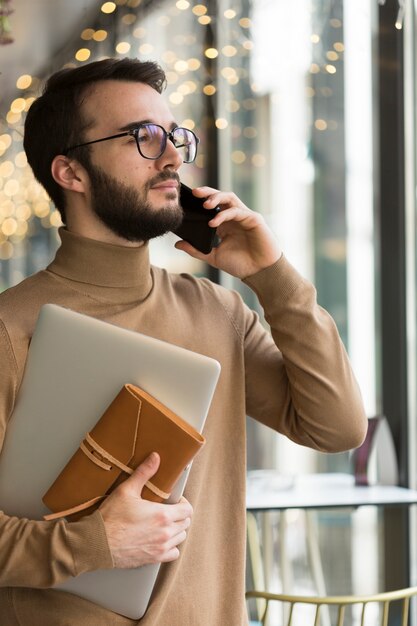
x: 37, y: 553
x: 306, y: 389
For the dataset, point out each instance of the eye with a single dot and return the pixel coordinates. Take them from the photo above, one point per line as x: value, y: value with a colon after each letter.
x: 145, y: 134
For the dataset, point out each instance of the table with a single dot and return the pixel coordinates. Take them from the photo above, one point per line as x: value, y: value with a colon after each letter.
x: 269, y: 491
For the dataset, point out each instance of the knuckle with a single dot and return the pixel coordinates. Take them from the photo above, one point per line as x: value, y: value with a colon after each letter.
x: 164, y: 548
x: 162, y: 518
x: 160, y: 551
x: 164, y: 536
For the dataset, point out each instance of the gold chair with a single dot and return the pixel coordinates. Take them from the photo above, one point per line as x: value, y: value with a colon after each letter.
x: 340, y: 603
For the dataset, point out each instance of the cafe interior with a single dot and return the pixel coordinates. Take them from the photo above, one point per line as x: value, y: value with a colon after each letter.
x: 307, y: 111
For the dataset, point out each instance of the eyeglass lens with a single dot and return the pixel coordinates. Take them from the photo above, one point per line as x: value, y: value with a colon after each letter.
x: 152, y: 139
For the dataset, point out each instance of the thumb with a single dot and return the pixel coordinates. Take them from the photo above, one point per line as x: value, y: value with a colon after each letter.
x: 144, y: 472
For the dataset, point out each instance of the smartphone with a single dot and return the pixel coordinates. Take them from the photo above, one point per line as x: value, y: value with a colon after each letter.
x: 194, y: 227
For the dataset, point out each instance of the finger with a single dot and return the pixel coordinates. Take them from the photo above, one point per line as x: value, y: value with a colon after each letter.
x: 205, y: 191
x: 172, y: 544
x: 172, y: 555
x: 234, y: 214
x: 180, y: 511
x: 143, y: 473
x: 176, y: 540
x: 223, y: 199
x: 189, y: 249
x: 182, y: 525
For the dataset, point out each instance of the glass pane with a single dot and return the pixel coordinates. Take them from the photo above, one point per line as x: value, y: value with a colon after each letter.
x: 298, y: 104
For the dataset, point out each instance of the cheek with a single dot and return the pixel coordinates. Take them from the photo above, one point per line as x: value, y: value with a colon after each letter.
x: 136, y: 176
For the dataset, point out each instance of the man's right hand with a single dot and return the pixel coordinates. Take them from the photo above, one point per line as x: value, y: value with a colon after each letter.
x: 139, y: 531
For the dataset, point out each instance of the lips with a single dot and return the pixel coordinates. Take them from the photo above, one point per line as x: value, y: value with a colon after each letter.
x: 166, y: 185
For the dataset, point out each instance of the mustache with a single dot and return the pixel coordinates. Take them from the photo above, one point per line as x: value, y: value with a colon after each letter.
x: 162, y: 177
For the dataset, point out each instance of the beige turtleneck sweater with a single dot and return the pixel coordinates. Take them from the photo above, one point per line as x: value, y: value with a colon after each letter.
x: 297, y: 381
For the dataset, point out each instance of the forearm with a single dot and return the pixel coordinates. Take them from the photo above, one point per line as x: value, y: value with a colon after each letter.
x: 39, y: 553
x: 43, y: 554
x: 320, y: 401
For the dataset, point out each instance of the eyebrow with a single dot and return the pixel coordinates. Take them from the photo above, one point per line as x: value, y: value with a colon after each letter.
x: 133, y: 125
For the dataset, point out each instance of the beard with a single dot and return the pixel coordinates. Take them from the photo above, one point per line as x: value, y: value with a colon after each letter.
x: 127, y: 212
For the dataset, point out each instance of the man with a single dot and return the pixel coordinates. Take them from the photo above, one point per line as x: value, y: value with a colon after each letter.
x: 105, y: 146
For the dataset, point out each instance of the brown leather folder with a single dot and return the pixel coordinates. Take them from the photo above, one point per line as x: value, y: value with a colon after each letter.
x: 134, y: 425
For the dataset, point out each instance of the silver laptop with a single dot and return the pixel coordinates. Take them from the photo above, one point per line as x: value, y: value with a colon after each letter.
x: 75, y: 367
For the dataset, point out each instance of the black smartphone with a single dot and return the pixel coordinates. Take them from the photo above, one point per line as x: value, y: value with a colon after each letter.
x: 194, y: 227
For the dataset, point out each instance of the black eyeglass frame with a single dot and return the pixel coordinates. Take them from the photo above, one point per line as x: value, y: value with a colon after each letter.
x: 134, y: 132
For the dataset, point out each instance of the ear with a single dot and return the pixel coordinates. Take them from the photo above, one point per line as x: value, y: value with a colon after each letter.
x: 69, y: 174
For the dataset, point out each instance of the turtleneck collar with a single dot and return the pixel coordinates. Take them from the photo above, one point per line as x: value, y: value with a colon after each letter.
x: 102, y: 264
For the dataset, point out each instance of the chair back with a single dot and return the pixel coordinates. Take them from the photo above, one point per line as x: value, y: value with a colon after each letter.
x: 340, y: 604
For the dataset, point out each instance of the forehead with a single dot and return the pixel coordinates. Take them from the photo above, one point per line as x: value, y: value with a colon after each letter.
x: 113, y: 104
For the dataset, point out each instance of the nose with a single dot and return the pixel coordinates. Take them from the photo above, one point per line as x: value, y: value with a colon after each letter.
x: 170, y: 158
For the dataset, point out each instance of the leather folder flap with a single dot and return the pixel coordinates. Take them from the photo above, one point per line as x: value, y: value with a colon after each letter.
x: 116, y: 431
x: 158, y: 431
x: 83, y: 478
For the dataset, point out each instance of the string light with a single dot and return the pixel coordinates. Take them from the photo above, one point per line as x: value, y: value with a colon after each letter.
x: 238, y: 157
x: 199, y: 9
x: 5, y: 142
x: 400, y: 16
x: 258, y: 160
x: 18, y: 105
x: 211, y: 53
x: 123, y: 47
x: 13, y: 118
x: 87, y: 34
x: 23, y: 201
x: 209, y: 90
x: 24, y: 81
x: 100, y: 35
x: 194, y: 64
x: 229, y: 51
x: 245, y: 22
x: 204, y: 20
x: 332, y: 56
x: 181, y: 66
x: 320, y: 124
x: 221, y: 123
x: 83, y: 54
x: 108, y: 7
x: 129, y: 18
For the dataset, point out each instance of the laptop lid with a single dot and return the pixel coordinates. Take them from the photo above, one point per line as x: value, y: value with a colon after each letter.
x: 76, y: 365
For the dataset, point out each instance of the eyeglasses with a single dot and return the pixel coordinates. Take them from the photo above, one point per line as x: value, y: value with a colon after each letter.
x: 151, y: 140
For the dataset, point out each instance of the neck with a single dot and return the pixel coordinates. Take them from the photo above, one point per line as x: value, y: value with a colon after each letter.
x: 85, y: 260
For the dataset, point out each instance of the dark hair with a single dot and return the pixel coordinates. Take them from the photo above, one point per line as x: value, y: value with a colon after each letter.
x: 55, y: 120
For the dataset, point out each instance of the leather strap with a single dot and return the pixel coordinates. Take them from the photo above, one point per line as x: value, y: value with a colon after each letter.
x: 106, y: 455
x: 73, y: 509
